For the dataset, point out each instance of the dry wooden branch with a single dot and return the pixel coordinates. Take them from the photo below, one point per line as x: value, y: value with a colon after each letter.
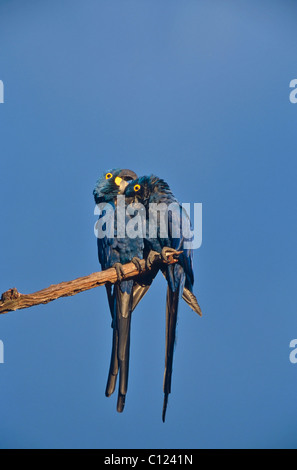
x: 12, y: 299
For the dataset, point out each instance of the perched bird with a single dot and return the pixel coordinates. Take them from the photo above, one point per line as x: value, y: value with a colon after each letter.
x: 123, y: 296
x: 151, y: 190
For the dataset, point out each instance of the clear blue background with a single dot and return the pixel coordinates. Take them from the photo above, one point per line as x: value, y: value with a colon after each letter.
x: 198, y: 93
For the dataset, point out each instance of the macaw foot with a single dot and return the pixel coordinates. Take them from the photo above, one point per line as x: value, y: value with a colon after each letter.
x: 120, y: 271
x: 152, y: 257
x: 169, y: 255
x: 136, y: 262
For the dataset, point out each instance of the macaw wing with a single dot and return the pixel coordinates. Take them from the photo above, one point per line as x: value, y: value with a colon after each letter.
x: 106, y: 245
x: 106, y: 240
x: 181, y: 231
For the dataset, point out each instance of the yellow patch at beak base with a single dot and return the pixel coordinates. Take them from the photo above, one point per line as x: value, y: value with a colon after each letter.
x: 118, y: 180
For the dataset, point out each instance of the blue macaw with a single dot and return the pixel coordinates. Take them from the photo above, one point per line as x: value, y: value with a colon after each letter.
x: 123, y: 296
x: 180, y: 278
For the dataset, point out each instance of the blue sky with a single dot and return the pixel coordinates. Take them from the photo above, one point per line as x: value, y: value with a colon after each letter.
x: 197, y: 93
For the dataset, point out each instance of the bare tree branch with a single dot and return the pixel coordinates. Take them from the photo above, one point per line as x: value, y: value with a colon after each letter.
x: 13, y: 300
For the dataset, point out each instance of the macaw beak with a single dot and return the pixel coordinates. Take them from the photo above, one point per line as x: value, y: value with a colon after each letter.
x: 123, y: 179
x: 121, y: 184
x: 128, y: 175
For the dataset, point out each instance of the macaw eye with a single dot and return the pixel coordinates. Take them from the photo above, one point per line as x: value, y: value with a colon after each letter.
x: 108, y: 176
x: 136, y: 187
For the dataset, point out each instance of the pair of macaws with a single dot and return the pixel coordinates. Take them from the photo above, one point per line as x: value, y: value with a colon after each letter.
x: 124, y: 295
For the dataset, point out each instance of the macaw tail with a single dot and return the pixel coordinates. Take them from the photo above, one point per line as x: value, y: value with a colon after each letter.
x: 114, y: 365
x: 189, y: 297
x: 119, y: 362
x: 121, y: 306
x: 142, y: 284
x: 171, y: 320
x: 124, y: 302
x: 191, y: 300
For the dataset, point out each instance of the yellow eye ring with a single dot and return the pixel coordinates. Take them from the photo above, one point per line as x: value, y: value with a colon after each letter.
x: 108, y: 176
x: 136, y: 187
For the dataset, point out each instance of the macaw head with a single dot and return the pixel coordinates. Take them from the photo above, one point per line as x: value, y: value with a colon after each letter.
x: 143, y: 188
x: 112, y: 183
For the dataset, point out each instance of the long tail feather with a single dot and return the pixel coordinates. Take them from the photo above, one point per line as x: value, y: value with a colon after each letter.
x: 171, y: 319
x: 119, y: 360
x: 121, y: 402
x: 123, y: 324
x: 114, y: 365
x: 121, y: 329
x: 110, y: 298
